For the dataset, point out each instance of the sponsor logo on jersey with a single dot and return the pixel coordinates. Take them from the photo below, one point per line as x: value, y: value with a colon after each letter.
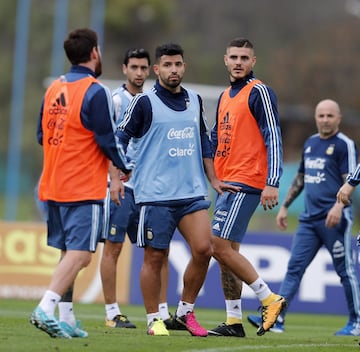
x: 315, y: 164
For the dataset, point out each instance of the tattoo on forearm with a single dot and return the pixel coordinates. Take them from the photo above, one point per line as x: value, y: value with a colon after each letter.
x: 294, y: 190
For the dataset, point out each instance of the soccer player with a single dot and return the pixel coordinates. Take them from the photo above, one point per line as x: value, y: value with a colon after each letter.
x: 173, y: 149
x: 328, y: 156
x: 76, y: 131
x: 123, y: 219
x: 248, y: 153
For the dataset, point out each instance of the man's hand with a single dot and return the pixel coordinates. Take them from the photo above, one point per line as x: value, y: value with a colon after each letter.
x: 334, y: 215
x: 220, y: 186
x: 344, y: 193
x: 117, y: 187
x: 124, y: 177
x: 269, y: 197
x: 281, y: 218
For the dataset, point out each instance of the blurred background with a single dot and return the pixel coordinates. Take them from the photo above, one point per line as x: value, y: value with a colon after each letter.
x: 306, y: 51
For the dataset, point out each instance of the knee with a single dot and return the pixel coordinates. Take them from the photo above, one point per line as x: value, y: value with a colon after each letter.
x: 220, y: 253
x: 205, y: 250
x: 112, y: 250
x: 85, y: 260
x: 155, y: 257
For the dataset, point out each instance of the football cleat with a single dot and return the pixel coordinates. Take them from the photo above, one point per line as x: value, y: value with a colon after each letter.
x: 350, y: 329
x: 157, y: 328
x: 270, y: 313
x: 172, y: 324
x: 278, y: 327
x: 47, y: 324
x: 236, y: 330
x: 73, y: 331
x: 119, y: 321
x: 192, y: 325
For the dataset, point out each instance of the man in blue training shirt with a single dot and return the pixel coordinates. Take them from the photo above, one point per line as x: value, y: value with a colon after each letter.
x: 328, y: 157
x: 173, y: 149
x: 123, y: 220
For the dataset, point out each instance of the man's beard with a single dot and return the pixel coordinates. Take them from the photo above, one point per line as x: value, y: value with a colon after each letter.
x: 98, y: 68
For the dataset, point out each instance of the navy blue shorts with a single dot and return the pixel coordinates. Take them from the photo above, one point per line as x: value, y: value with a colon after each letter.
x: 75, y: 227
x: 124, y: 219
x: 232, y: 214
x: 157, y: 223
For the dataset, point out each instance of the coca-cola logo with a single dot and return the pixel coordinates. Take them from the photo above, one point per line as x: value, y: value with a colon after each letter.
x: 186, y: 133
x: 317, y: 163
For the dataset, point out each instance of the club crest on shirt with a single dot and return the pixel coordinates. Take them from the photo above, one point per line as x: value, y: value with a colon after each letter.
x: 330, y: 149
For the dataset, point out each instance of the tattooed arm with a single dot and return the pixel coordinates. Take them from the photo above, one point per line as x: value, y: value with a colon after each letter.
x: 294, y: 190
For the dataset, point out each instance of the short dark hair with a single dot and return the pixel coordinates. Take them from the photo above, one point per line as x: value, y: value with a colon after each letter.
x: 79, y: 45
x: 170, y: 49
x: 138, y: 53
x: 240, y: 43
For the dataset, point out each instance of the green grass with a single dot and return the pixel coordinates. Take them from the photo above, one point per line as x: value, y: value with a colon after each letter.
x: 304, y: 332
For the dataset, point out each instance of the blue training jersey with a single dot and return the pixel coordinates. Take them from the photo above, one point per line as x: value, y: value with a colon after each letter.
x: 122, y: 98
x: 169, y: 156
x: 324, y: 163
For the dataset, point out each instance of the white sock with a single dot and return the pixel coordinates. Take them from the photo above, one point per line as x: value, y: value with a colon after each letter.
x: 66, y: 313
x: 112, y: 310
x: 49, y: 302
x: 260, y: 288
x: 164, y: 311
x: 183, y: 308
x: 150, y: 317
x: 233, y: 309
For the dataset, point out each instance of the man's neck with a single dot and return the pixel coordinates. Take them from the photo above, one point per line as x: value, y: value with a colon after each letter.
x: 133, y: 90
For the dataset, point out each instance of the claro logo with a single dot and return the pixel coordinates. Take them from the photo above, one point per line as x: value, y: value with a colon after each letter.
x: 182, y: 152
x: 186, y: 133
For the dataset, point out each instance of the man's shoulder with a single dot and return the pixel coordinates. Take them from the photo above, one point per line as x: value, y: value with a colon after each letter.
x: 99, y: 89
x: 260, y: 87
x: 343, y: 137
x: 312, y: 137
x: 118, y: 90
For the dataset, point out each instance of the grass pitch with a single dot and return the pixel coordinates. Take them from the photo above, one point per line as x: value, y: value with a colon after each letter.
x: 304, y: 332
